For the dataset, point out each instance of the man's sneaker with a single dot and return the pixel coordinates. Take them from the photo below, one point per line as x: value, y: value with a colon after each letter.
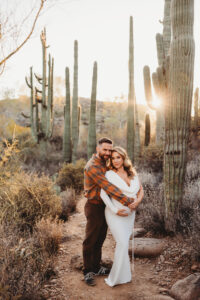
x: 89, y: 278
x: 102, y: 271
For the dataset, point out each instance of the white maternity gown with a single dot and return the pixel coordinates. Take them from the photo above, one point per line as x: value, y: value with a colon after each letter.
x: 120, y: 227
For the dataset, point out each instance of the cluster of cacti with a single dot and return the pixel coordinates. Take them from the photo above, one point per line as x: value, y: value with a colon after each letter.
x: 91, y: 143
x: 133, y: 134
x: 178, y: 107
x: 42, y: 126
x: 159, y: 77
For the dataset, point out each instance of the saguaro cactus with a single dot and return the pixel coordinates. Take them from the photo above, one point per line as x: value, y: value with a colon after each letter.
x: 75, y: 122
x: 42, y: 127
x: 67, y: 143
x: 147, y: 130
x: 91, y: 145
x: 178, y: 107
x: 131, y: 98
x: 44, y: 79
x: 159, y: 77
x: 32, y: 104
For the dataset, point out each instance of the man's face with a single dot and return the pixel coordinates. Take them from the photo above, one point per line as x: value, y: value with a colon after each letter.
x: 104, y: 150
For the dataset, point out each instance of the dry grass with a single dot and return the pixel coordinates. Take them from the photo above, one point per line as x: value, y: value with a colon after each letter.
x: 25, y: 199
x: 26, y: 263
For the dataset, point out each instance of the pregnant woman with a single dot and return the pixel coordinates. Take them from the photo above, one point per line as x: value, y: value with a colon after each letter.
x: 120, y: 219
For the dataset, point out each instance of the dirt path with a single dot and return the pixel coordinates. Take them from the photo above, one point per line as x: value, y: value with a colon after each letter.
x: 69, y: 284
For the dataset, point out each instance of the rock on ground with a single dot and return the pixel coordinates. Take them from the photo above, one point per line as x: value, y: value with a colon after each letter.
x: 187, y: 288
x: 148, y: 247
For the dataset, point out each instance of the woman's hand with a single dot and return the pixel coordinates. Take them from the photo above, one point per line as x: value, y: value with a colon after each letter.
x: 134, y: 205
x: 122, y: 213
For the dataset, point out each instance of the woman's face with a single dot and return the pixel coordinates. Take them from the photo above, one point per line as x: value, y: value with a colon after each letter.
x: 117, y: 160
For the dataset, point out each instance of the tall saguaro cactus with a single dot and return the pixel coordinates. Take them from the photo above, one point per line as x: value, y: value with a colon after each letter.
x: 178, y: 107
x: 131, y: 98
x: 91, y: 145
x: 75, y: 112
x: 44, y: 80
x: 67, y: 143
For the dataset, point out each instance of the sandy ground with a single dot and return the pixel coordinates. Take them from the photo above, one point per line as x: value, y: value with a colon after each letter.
x: 69, y: 284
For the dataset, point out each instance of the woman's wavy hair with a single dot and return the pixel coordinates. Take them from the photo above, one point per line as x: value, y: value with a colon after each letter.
x: 128, y: 167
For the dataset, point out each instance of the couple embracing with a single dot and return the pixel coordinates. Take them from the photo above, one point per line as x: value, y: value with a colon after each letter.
x: 113, y: 192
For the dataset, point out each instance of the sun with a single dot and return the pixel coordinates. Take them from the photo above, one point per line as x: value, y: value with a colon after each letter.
x: 156, y: 102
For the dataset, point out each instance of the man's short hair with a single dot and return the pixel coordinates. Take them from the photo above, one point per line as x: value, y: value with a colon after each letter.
x: 105, y: 140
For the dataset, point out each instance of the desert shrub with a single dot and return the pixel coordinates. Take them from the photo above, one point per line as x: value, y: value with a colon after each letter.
x: 25, y: 264
x: 151, y: 158
x: 69, y: 201
x: 71, y: 175
x: 151, y: 210
x: 26, y: 198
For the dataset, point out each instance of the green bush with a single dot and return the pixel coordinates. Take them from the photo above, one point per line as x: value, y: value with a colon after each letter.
x: 71, y: 176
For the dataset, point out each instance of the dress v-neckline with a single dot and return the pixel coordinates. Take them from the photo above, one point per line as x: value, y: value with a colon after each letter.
x: 123, y: 179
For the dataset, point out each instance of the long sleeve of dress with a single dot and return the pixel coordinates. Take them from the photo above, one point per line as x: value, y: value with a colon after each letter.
x: 108, y: 202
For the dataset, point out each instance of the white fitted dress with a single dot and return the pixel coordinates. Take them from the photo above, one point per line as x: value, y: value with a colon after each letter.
x: 120, y: 227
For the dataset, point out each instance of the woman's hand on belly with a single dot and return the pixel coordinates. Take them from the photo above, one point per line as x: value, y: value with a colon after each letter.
x: 122, y: 212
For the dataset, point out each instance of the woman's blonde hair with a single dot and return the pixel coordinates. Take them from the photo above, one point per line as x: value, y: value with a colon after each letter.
x: 128, y: 167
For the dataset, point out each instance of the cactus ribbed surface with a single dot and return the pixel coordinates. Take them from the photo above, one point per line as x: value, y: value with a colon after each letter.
x: 91, y: 145
x: 75, y: 122
x: 147, y: 130
x: 32, y: 105
x: 160, y: 48
x: 44, y: 80
x: 167, y: 27
x: 196, y: 109
x: 178, y: 107
x: 131, y: 98
x: 67, y: 143
x: 137, y: 143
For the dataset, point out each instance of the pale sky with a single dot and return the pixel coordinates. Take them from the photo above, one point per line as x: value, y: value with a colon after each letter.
x: 102, y: 30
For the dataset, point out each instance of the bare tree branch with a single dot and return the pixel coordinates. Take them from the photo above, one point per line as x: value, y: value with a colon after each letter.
x: 2, y: 62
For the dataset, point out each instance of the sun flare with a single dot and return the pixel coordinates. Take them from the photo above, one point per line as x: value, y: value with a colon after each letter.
x: 156, y: 102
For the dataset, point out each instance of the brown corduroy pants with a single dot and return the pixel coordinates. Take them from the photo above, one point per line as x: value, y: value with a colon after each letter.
x: 95, y: 234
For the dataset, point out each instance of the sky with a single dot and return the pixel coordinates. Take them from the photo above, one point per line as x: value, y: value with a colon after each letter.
x: 102, y: 30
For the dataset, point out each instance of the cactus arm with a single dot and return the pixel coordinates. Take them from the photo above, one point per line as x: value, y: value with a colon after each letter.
x: 147, y: 87
x: 160, y: 49
x: 167, y: 27
x: 147, y: 130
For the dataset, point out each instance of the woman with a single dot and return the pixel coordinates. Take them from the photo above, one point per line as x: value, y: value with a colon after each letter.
x: 121, y: 218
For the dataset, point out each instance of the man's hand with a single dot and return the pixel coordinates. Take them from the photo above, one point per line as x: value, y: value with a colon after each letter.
x: 122, y: 213
x: 134, y: 204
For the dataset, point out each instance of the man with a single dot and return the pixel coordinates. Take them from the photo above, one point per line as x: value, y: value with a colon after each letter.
x: 96, y: 227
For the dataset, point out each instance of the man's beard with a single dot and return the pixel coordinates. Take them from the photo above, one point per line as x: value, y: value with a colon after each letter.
x: 102, y: 156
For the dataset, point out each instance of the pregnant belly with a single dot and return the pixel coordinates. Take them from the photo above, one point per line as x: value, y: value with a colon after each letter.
x: 121, y: 206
